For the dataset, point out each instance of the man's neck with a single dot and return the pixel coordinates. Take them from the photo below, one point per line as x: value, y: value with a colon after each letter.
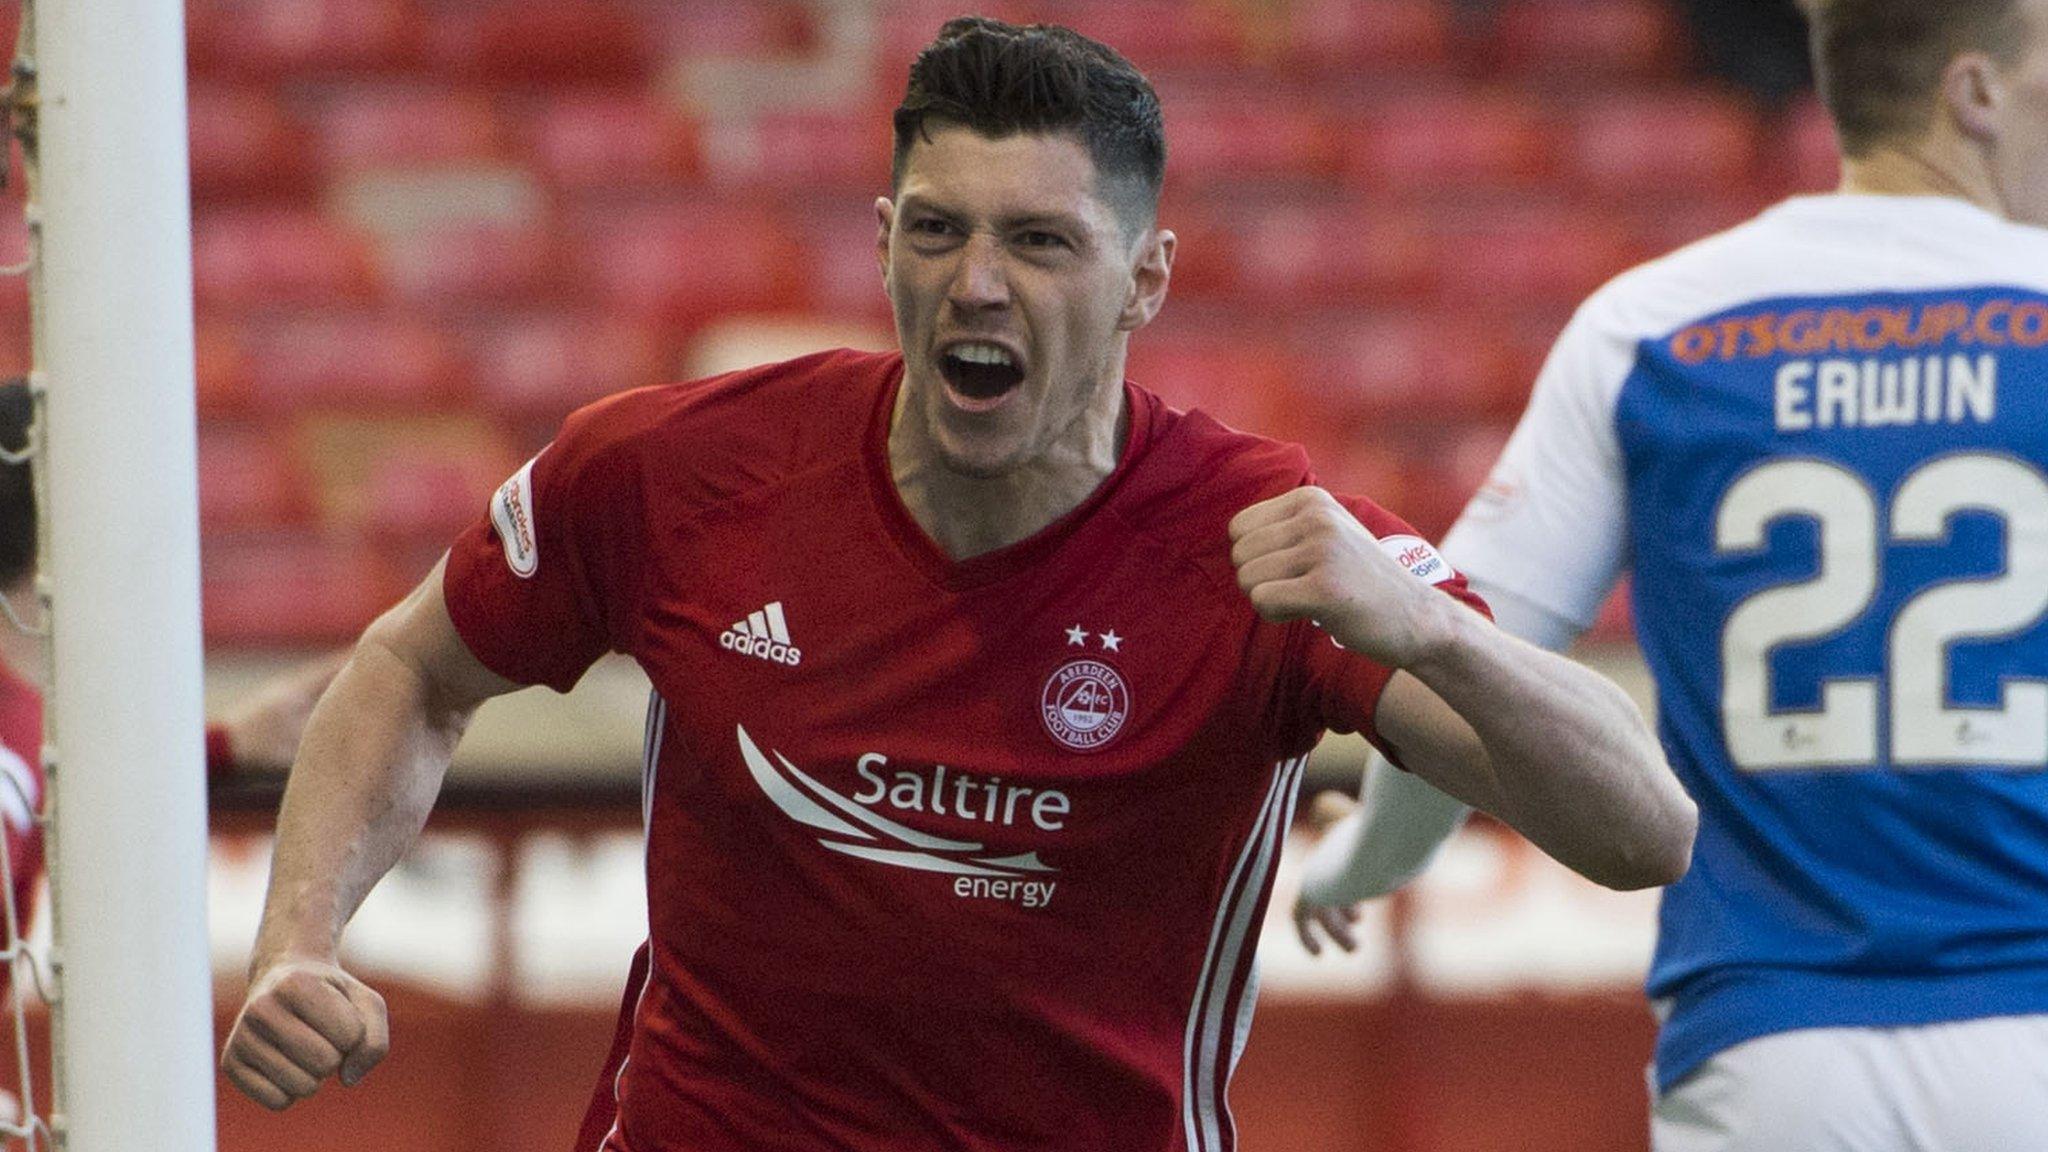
x: 971, y: 515
x: 1931, y: 167
x: 18, y: 651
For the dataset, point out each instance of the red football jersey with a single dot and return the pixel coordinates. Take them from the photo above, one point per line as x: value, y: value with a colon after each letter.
x: 941, y: 854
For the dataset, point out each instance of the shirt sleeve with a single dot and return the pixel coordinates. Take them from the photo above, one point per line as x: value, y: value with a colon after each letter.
x: 1342, y: 689
x: 1550, y: 524
x: 548, y: 580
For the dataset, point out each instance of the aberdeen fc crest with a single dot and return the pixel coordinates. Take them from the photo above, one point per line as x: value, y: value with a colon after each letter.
x: 1085, y: 704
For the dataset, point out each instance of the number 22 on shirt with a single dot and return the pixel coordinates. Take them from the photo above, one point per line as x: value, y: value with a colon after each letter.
x: 1926, y: 729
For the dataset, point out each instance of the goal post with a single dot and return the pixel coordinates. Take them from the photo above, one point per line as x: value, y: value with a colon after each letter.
x: 113, y: 312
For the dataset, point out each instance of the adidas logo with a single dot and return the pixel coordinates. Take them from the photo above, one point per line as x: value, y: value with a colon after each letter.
x: 764, y: 633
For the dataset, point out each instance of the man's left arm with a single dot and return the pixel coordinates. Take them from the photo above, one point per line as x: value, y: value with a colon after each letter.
x: 1553, y: 749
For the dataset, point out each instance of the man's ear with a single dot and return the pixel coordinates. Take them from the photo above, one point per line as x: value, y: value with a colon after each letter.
x: 885, y: 222
x: 1151, y: 272
x: 1973, y: 93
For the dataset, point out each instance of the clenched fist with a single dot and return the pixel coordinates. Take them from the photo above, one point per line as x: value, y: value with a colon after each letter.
x: 304, y: 1020
x: 1303, y: 555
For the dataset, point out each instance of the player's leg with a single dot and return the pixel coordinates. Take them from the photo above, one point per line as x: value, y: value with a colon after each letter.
x: 1814, y: 1090
x: 1977, y: 1084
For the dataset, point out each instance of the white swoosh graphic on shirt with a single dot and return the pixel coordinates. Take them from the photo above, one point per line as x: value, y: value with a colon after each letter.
x: 796, y: 803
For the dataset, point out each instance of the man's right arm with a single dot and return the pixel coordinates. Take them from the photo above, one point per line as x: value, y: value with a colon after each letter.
x: 1553, y: 515
x: 1401, y: 821
x: 367, y: 773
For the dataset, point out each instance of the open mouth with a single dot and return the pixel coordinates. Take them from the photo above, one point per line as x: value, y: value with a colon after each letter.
x: 980, y: 373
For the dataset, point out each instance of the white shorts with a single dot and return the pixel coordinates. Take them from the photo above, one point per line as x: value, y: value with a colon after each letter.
x: 1969, y: 1086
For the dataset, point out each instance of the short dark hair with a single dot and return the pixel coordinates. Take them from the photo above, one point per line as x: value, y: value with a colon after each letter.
x: 1879, y: 63
x: 17, y: 491
x: 1000, y: 79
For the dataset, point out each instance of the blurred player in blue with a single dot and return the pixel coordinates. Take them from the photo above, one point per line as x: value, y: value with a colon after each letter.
x: 1820, y: 440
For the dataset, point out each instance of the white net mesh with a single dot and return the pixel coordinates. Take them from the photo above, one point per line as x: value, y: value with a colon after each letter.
x: 29, y: 1120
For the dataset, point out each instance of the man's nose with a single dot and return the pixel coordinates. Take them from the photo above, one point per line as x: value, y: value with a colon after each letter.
x: 982, y: 279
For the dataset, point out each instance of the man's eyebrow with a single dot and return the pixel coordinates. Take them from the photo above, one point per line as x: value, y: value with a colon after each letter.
x: 1066, y: 221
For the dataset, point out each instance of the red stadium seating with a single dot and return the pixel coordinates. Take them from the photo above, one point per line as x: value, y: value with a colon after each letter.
x: 532, y: 42
x: 1530, y: 256
x: 1292, y: 256
x: 1641, y: 144
x: 407, y: 479
x: 1227, y: 137
x: 238, y: 39
x: 1153, y: 34
x: 1235, y: 375
x: 1349, y: 36
x: 244, y: 143
x: 1425, y: 473
x: 453, y: 267
x: 731, y: 28
x: 816, y: 149
x: 350, y: 361
x: 248, y: 479
x: 609, y: 139
x: 534, y: 366
x: 1392, y: 367
x: 1586, y: 40
x: 407, y: 125
x: 1676, y: 222
x: 685, y: 262
x: 299, y: 588
x: 1386, y: 210
x: 1448, y: 140
x: 266, y: 257
x: 1811, y: 156
x: 839, y: 272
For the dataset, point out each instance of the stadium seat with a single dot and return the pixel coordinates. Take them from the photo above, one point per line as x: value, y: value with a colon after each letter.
x: 685, y: 262
x: 1154, y: 34
x: 404, y: 479
x: 244, y: 143
x: 264, y: 257
x: 444, y: 268
x: 610, y: 138
x: 1293, y: 256
x: 1529, y: 256
x: 238, y: 39
x: 538, y: 42
x: 1395, y: 367
x: 1680, y: 220
x: 1346, y: 37
x: 780, y: 149
x: 222, y: 367
x: 295, y: 588
x: 248, y: 479
x: 1810, y: 159
x: 352, y: 361
x: 1230, y: 137
x: 731, y: 28
x: 1450, y: 140
x: 1646, y: 143
x: 1424, y: 472
x: 1238, y: 376
x: 1205, y: 263
x: 1585, y: 40
x: 540, y: 366
x: 840, y: 276
x: 404, y: 125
